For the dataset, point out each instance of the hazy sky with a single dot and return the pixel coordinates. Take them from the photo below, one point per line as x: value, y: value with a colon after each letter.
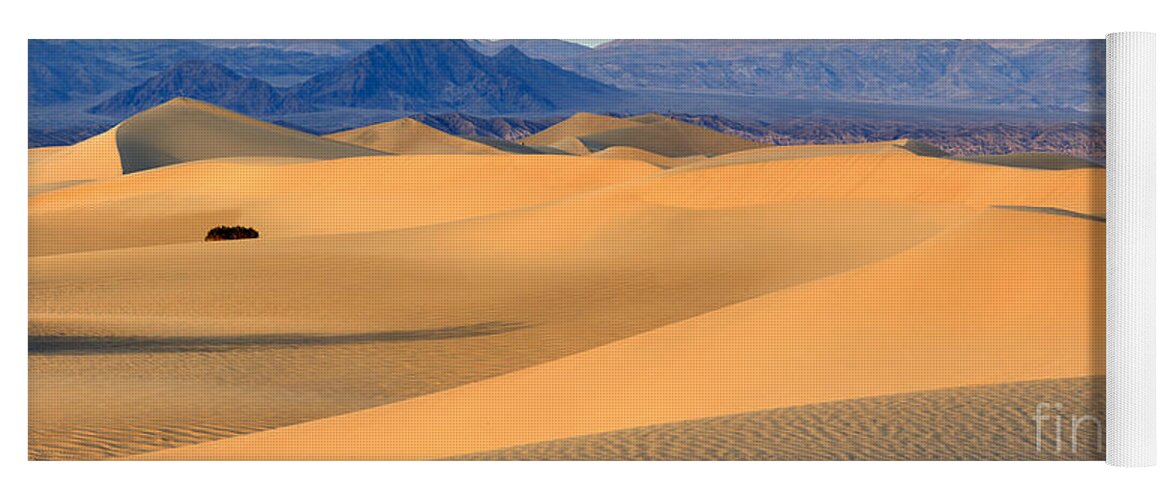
x: 591, y: 42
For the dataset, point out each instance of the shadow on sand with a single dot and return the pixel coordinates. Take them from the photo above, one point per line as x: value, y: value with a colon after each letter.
x: 56, y: 344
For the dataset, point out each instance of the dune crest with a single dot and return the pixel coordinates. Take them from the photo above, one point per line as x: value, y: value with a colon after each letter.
x: 408, y: 136
x: 578, y: 125
x: 297, y: 197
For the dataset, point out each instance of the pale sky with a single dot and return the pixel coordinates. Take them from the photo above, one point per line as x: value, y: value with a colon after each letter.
x: 591, y: 42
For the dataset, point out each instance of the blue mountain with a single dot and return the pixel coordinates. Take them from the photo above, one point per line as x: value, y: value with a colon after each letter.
x: 205, y: 81
x: 433, y: 75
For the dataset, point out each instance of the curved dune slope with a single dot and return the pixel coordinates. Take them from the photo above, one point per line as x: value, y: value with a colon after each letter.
x: 93, y: 158
x: 946, y: 424
x: 669, y: 138
x: 408, y: 136
x: 290, y: 197
x: 558, y: 278
x: 629, y: 153
x: 710, y: 291
x: 578, y: 125
x: 772, y: 153
x: 894, y: 175
x: 181, y: 130
x: 1001, y: 297
x: 184, y: 130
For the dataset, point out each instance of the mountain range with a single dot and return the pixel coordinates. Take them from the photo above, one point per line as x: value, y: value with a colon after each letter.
x: 80, y: 87
x: 205, y: 81
x: 426, y: 75
x: 481, y: 75
x: 1017, y: 74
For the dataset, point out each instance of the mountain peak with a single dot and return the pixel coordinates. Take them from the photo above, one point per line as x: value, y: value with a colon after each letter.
x: 511, y: 52
x: 205, y: 81
x: 443, y: 75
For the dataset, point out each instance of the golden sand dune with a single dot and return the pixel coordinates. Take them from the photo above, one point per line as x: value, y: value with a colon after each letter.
x: 770, y: 153
x: 560, y: 278
x: 181, y: 130
x: 648, y: 118
x: 670, y: 138
x: 1025, y: 307
x: 521, y: 299
x: 654, y: 134
x: 185, y: 130
x: 291, y: 197
x: 629, y: 153
x: 578, y: 125
x: 408, y: 136
x: 247, y: 332
x: 896, y: 175
x: 93, y: 158
x: 995, y: 422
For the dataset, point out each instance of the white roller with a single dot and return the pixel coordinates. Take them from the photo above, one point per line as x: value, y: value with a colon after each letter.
x: 1130, y: 249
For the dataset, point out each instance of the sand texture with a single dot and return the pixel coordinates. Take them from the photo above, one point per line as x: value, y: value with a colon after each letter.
x: 659, y: 293
x: 997, y: 422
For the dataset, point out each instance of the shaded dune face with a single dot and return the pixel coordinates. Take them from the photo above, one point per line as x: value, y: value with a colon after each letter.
x: 669, y: 138
x: 578, y: 125
x: 185, y: 130
x: 407, y: 136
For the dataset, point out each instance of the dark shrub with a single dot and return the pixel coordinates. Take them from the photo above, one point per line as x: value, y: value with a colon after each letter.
x: 231, y: 233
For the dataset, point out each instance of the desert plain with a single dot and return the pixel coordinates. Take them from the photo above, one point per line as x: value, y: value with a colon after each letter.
x: 609, y: 288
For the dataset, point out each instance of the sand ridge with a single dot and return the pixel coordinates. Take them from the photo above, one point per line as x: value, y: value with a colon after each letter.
x: 295, y: 197
x: 440, y: 305
x: 565, y: 132
x: 409, y: 136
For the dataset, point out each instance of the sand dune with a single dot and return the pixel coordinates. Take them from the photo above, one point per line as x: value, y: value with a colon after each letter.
x: 946, y: 424
x: 628, y: 153
x: 896, y: 175
x: 578, y: 125
x: 431, y: 306
x: 185, y: 130
x: 770, y: 153
x: 181, y: 130
x: 654, y: 134
x: 572, y: 275
x: 408, y: 136
x: 93, y: 158
x: 669, y: 138
x: 648, y: 118
x: 292, y: 197
x: 758, y: 354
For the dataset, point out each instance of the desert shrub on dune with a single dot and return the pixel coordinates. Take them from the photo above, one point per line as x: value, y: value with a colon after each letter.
x: 220, y: 233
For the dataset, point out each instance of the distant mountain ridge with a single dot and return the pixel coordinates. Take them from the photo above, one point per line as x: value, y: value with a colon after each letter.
x: 1008, y: 74
x: 59, y: 72
x: 1049, y: 74
x: 548, y: 49
x: 428, y: 75
x: 205, y: 81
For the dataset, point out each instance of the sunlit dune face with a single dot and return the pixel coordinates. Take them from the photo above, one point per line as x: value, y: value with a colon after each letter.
x: 408, y: 294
